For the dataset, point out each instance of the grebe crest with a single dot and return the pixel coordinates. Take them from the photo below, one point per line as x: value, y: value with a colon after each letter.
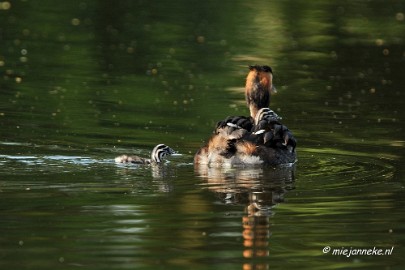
x: 264, y: 68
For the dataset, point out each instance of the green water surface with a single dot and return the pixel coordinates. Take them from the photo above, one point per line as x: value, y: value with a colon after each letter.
x: 84, y: 81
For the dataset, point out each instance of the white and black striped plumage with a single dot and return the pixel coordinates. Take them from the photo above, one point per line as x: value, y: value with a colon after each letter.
x: 271, y: 131
x: 159, y: 152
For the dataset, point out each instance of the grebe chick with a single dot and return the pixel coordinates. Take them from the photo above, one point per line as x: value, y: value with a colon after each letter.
x: 271, y: 132
x: 258, y: 88
x: 158, y: 154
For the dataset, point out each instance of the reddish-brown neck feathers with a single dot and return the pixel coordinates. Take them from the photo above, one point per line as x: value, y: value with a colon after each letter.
x: 257, y: 89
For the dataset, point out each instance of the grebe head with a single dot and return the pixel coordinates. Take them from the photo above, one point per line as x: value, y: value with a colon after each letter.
x: 160, y: 151
x: 258, y: 88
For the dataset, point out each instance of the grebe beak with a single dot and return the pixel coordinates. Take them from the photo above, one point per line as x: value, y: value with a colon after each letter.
x: 174, y: 153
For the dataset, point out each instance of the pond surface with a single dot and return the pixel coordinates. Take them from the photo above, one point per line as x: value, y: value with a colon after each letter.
x: 84, y: 81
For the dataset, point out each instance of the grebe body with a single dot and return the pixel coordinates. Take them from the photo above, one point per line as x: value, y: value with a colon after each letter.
x: 262, y: 142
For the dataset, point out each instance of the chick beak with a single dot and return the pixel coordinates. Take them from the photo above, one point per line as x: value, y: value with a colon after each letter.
x: 175, y: 153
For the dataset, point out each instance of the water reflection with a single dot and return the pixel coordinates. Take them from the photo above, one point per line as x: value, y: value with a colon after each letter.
x: 259, y: 190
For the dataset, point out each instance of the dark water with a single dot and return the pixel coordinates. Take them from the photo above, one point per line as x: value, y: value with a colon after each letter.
x: 84, y: 81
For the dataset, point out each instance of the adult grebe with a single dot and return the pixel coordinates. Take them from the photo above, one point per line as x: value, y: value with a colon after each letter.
x: 260, y: 139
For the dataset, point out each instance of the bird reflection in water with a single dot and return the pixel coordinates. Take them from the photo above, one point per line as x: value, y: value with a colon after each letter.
x: 161, y: 177
x: 259, y: 190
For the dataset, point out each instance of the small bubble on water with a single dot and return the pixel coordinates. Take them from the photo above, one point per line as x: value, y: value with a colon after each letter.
x: 379, y: 42
x: 200, y: 39
x: 75, y: 21
x: 5, y: 5
x: 26, y: 32
x: 399, y: 16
